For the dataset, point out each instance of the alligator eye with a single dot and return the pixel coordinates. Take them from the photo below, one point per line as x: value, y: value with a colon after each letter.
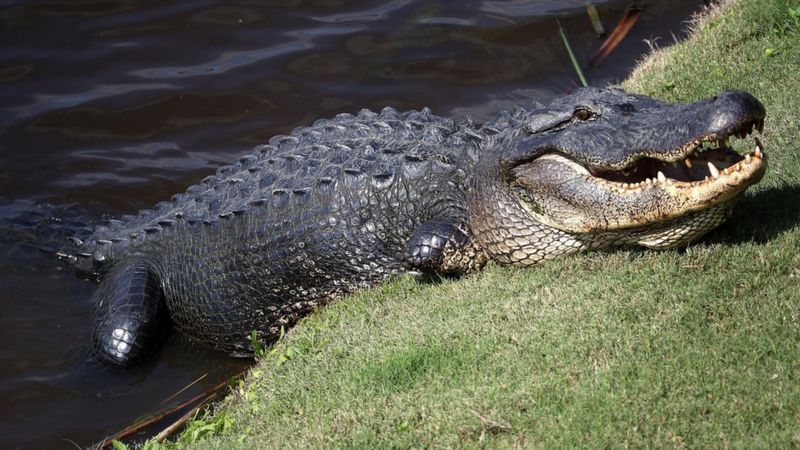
x: 583, y: 114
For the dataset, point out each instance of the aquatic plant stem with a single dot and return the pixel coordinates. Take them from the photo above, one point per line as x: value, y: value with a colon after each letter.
x: 199, y: 400
x: 571, y: 55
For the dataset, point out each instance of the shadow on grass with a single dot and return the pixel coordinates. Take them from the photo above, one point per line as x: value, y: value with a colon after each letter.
x: 761, y: 217
x: 435, y: 278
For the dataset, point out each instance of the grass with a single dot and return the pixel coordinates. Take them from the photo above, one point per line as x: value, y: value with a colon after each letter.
x: 697, y: 348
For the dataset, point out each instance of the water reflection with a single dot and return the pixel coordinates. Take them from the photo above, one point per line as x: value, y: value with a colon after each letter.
x: 224, y: 63
x: 14, y: 73
x: 540, y: 8
x: 226, y: 15
x: 73, y: 8
x: 165, y: 114
x: 379, y: 12
x: 43, y: 103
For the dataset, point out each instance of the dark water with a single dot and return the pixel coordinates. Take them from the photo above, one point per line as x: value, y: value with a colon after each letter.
x: 108, y: 107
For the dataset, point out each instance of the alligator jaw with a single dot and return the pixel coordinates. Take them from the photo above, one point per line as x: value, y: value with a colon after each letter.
x: 702, y: 168
x: 579, y: 198
x: 679, y: 164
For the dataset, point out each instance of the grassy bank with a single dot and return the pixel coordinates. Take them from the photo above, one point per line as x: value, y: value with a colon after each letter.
x: 697, y: 348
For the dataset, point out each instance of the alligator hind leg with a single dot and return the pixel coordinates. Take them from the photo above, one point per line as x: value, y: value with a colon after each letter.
x: 130, y: 316
x: 444, y: 247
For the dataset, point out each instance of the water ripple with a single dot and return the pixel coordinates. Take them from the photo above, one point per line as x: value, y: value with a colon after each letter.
x: 234, y: 60
x: 368, y: 15
x: 46, y: 102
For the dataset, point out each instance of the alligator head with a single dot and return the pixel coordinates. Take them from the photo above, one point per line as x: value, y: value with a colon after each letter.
x: 603, y: 167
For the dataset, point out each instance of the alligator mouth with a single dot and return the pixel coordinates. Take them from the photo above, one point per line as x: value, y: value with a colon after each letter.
x: 708, y: 159
x: 655, y: 188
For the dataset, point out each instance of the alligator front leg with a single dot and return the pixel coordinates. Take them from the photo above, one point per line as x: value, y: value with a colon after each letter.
x: 444, y: 247
x: 130, y: 313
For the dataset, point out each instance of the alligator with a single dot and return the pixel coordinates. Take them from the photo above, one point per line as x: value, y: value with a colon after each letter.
x: 348, y: 202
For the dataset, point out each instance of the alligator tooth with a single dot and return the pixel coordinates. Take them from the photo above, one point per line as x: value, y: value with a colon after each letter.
x: 747, y: 159
x: 661, y: 177
x: 759, y: 147
x: 688, y: 162
x: 713, y: 170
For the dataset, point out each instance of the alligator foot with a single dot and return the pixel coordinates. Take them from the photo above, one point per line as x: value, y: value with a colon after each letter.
x: 443, y: 247
x: 130, y: 314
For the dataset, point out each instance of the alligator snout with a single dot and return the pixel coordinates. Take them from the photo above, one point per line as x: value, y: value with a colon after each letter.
x: 732, y: 108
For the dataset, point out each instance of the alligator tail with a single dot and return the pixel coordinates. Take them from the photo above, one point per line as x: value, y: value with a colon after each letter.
x: 27, y: 227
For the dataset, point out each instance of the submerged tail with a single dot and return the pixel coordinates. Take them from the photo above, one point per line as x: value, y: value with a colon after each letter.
x: 27, y: 226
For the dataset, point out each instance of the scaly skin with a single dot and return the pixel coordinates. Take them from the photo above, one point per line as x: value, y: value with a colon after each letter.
x: 351, y: 201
